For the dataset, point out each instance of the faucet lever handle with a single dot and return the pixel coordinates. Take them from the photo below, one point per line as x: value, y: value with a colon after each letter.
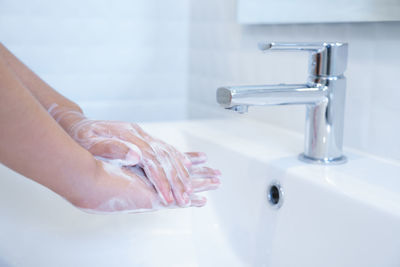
x: 312, y: 47
x: 327, y: 59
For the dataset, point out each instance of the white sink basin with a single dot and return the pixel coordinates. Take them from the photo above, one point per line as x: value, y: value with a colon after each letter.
x: 347, y: 215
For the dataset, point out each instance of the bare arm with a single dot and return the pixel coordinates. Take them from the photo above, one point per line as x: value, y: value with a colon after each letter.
x: 166, y: 168
x: 33, y: 144
x: 43, y: 92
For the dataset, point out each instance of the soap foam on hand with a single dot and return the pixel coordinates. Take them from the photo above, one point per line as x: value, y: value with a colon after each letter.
x: 138, y: 193
x: 162, y: 177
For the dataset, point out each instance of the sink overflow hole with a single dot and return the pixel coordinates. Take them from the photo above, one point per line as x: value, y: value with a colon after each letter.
x: 275, y: 195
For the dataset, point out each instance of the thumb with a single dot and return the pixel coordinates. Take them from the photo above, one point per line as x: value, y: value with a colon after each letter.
x: 127, y: 154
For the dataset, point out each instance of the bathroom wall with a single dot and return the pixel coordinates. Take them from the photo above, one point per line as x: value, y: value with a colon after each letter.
x: 104, y: 53
x: 225, y: 53
x: 155, y: 55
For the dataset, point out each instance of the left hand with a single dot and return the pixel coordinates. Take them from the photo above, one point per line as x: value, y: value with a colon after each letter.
x: 127, y: 144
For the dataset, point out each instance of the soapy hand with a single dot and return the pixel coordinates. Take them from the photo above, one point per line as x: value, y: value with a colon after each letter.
x: 126, y: 144
x: 127, y: 189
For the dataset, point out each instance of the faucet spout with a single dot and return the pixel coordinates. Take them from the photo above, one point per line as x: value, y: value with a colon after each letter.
x: 266, y: 95
x: 323, y: 95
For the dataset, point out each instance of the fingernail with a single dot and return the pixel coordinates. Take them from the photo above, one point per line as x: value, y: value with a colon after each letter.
x: 217, y: 172
x: 171, y: 196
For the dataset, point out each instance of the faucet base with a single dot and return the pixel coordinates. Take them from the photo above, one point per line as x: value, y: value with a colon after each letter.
x: 333, y: 161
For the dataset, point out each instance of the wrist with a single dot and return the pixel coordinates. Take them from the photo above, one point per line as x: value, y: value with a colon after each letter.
x: 66, y: 117
x: 79, y: 189
x: 69, y: 119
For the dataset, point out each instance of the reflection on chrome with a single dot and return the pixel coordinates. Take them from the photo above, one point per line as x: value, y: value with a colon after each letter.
x: 323, y: 94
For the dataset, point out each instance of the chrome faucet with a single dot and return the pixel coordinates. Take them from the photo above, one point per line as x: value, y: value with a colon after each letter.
x: 323, y: 94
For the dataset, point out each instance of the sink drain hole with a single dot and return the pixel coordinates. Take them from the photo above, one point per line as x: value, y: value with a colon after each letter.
x: 275, y: 195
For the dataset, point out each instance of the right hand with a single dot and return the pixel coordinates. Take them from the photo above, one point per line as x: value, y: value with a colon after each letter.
x: 129, y: 145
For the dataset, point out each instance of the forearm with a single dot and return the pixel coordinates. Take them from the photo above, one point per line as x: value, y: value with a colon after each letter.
x: 43, y: 92
x: 33, y: 144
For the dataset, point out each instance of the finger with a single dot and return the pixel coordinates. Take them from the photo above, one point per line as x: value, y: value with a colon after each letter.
x: 167, y: 169
x: 157, y: 177
x: 153, y: 200
x: 139, y: 131
x: 127, y: 153
x: 151, y: 167
x: 182, y: 172
x: 198, y: 201
x: 182, y: 198
x: 171, y: 171
x: 177, y: 159
x: 187, y: 163
x: 200, y: 185
x: 196, y: 157
x: 139, y: 172
x: 204, y: 172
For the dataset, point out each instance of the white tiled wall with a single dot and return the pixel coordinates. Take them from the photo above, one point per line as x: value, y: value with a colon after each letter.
x: 225, y: 53
x: 103, y: 50
x: 147, y: 53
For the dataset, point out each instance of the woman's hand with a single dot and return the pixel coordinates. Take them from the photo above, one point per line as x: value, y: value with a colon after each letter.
x: 127, y: 189
x: 34, y: 145
x: 126, y: 144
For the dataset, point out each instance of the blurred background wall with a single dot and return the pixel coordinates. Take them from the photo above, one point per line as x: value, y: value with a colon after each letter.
x: 125, y: 53
x: 163, y: 60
